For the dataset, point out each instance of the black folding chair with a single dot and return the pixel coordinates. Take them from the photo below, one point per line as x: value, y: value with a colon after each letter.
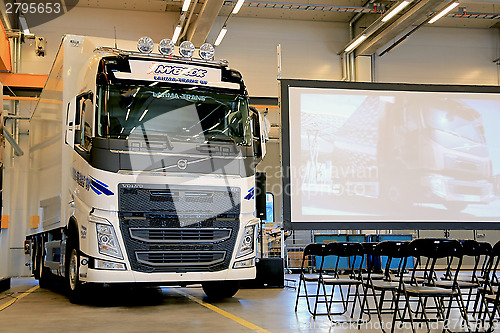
x: 431, y: 250
x: 347, y: 276
x: 317, y: 251
x: 393, y: 251
x: 493, y: 308
x: 489, y: 287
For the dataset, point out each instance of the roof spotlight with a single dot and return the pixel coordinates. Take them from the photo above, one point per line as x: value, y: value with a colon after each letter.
x: 166, y: 46
x: 186, y: 49
x: 207, y: 51
x: 145, y: 44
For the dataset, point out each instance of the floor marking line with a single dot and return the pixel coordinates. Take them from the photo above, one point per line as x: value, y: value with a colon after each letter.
x: 15, y: 299
x: 226, y: 314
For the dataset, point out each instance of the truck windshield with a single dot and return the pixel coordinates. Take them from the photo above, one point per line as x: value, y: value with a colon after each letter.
x: 181, y: 114
x: 462, y: 124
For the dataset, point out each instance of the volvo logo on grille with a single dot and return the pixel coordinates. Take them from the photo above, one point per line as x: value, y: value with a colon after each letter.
x: 182, y: 164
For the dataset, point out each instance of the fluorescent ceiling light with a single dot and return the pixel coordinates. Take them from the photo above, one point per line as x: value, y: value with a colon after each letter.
x: 238, y: 6
x: 177, y: 32
x: 443, y: 12
x: 396, y: 10
x: 355, y: 43
x: 185, y: 5
x: 24, y: 25
x: 222, y: 33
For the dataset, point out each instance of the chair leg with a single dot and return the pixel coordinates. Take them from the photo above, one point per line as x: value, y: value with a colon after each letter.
x: 463, y: 309
x: 365, y: 301
x: 298, y: 293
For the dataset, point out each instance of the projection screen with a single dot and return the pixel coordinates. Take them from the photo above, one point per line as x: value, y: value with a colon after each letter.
x: 390, y: 156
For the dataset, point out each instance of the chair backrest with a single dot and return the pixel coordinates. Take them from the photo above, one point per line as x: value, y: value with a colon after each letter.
x: 372, y: 259
x: 435, y: 248
x: 470, y: 247
x: 353, y: 251
x: 314, y: 249
x: 392, y: 250
x: 369, y: 247
x: 432, y: 249
x: 490, y: 272
x: 345, y: 249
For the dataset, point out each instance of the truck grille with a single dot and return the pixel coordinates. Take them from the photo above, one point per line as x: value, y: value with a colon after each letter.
x: 469, y: 190
x: 180, y: 258
x: 179, y: 228
x: 180, y: 235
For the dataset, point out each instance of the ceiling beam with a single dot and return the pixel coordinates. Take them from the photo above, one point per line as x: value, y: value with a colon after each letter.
x: 413, y: 17
x: 198, y: 30
x: 17, y: 80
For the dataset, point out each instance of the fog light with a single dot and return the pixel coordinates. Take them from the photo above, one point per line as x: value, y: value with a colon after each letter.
x: 245, y: 263
x: 186, y: 49
x: 166, y: 47
x: 145, y: 44
x: 207, y: 51
x: 109, y: 265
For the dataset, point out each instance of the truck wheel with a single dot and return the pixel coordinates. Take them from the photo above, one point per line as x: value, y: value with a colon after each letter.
x: 216, y: 290
x: 73, y: 285
x: 396, y: 195
x: 455, y: 206
x: 34, y: 258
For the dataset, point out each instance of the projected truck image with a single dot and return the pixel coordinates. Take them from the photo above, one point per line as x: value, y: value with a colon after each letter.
x: 432, y: 151
x: 391, y: 154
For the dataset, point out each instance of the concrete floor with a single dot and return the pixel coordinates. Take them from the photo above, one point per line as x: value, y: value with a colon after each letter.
x: 162, y: 310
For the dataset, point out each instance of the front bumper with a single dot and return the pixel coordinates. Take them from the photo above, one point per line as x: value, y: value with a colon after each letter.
x: 104, y: 276
x: 447, y: 189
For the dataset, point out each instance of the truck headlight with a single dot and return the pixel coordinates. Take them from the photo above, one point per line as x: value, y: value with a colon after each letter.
x: 107, y: 241
x: 247, y: 242
x: 438, y: 185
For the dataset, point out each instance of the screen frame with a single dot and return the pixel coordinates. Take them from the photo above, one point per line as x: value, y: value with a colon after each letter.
x: 288, y: 224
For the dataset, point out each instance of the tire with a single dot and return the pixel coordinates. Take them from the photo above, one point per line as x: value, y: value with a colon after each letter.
x: 42, y: 273
x: 216, y: 290
x: 396, y: 196
x: 34, y: 258
x: 73, y: 284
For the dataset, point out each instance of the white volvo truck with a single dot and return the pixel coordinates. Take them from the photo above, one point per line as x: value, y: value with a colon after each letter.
x: 142, y: 170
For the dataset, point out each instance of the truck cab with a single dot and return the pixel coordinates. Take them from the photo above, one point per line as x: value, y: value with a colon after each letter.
x: 158, y: 157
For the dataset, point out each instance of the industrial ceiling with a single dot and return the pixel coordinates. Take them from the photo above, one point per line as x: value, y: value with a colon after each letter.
x: 363, y: 16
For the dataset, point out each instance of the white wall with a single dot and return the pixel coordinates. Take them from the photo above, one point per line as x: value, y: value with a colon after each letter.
x: 443, y: 56
x: 308, y: 51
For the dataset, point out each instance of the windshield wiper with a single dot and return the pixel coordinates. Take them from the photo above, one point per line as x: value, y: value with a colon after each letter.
x: 221, y: 138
